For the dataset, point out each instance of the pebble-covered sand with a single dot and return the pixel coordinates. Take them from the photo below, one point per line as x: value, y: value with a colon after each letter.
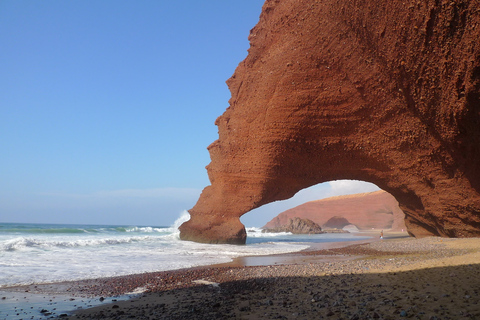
x: 430, y: 278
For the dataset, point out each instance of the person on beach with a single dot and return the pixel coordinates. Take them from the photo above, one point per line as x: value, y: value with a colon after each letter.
x: 381, y: 234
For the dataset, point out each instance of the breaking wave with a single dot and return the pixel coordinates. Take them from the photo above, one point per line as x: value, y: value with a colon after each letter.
x: 21, y: 243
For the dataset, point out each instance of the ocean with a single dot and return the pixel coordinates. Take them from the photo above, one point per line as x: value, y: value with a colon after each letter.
x: 45, y: 253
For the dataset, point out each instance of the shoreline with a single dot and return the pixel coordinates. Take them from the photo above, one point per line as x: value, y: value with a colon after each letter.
x: 304, y: 256
x: 66, y: 297
x: 71, y: 287
x: 238, y: 281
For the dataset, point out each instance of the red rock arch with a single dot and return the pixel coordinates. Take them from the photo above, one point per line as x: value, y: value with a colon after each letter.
x: 385, y: 92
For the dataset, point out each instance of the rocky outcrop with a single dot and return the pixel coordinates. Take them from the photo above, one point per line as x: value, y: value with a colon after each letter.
x: 297, y: 226
x: 377, y: 210
x: 381, y: 91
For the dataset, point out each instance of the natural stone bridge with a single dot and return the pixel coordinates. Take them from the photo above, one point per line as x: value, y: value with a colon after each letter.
x: 380, y: 91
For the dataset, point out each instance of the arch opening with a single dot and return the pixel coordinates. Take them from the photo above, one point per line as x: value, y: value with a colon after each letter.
x: 336, y: 206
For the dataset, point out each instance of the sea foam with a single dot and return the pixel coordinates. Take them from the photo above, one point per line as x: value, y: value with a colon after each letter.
x: 40, y: 256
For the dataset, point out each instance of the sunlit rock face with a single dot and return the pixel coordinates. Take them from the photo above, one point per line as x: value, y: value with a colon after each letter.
x: 380, y: 91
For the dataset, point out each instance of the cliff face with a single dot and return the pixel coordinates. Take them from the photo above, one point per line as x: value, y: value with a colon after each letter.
x: 365, y: 210
x: 380, y: 91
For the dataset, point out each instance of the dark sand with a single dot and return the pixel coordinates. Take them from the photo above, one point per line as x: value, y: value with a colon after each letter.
x: 430, y: 278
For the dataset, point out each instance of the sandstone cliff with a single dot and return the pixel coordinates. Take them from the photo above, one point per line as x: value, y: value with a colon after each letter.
x: 365, y: 210
x: 296, y: 225
x: 381, y: 91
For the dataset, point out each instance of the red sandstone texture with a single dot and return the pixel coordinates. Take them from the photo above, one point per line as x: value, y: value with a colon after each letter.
x: 380, y: 91
x: 365, y: 210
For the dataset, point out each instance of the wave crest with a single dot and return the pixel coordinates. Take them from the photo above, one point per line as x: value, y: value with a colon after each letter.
x: 146, y: 229
x: 22, y: 243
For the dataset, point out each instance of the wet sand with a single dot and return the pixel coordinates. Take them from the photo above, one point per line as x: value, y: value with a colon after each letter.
x: 430, y: 278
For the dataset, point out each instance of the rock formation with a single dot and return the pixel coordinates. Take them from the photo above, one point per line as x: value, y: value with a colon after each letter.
x: 369, y: 210
x: 297, y: 226
x: 381, y: 91
x: 336, y: 222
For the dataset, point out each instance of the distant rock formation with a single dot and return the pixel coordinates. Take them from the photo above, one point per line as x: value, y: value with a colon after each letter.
x: 336, y: 222
x: 297, y: 226
x: 369, y: 210
x: 381, y: 91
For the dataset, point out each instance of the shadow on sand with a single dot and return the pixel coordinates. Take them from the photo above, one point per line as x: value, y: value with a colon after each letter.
x: 435, y: 293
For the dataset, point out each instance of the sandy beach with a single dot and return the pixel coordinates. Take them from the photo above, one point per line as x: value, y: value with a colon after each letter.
x: 396, y: 278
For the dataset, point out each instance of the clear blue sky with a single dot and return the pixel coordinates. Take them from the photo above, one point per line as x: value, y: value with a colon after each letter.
x: 107, y: 107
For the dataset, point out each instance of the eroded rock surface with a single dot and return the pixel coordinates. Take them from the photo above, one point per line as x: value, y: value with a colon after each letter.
x: 380, y: 91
